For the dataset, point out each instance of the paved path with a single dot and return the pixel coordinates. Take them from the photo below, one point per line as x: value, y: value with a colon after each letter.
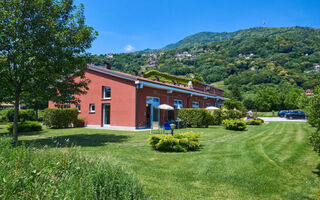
x: 278, y: 119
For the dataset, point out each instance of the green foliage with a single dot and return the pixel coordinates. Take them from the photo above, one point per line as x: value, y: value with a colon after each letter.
x: 41, y: 174
x: 219, y: 115
x: 165, y: 77
x: 183, y: 142
x: 236, y: 125
x: 195, y: 117
x: 231, y: 114
x: 28, y: 114
x: 312, y: 108
x: 60, y: 118
x: 43, y: 45
x: 79, y: 122
x: 254, y: 122
x: 315, y: 141
x: 233, y: 104
x: 26, y: 126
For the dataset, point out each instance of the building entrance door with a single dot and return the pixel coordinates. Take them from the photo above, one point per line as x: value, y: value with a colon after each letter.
x: 153, y: 111
x: 106, y: 114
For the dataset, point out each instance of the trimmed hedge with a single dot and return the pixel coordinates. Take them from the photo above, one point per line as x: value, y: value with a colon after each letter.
x: 254, y: 122
x: 60, y: 118
x: 236, y: 125
x: 195, y: 117
x: 183, y: 142
x: 26, y: 126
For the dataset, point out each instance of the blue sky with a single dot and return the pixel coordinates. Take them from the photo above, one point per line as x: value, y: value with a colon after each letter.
x: 132, y: 25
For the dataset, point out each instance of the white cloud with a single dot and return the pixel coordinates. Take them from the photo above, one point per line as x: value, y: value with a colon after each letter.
x: 128, y: 48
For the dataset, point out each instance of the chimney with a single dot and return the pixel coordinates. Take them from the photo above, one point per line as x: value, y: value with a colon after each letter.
x: 107, y: 65
x: 142, y: 74
x: 173, y: 82
x: 157, y: 78
x: 135, y: 73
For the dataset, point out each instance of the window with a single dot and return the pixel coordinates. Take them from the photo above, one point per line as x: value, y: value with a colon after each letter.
x: 177, y: 104
x: 195, y: 104
x: 92, y: 108
x: 106, y: 92
x: 78, y: 107
x: 66, y: 106
x: 208, y: 104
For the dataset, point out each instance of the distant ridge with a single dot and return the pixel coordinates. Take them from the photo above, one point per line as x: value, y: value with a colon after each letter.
x: 206, y: 37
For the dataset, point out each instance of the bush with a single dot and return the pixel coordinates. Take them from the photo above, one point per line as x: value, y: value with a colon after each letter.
x: 177, y: 143
x: 28, y: 173
x: 231, y: 114
x: 79, y: 122
x: 24, y: 115
x: 254, y: 122
x: 219, y: 115
x: 26, y: 126
x: 195, y: 117
x: 216, y: 117
x: 237, y: 125
x: 60, y: 118
x: 315, y: 141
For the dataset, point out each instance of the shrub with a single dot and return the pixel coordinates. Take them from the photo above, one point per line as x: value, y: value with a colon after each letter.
x: 177, y: 143
x: 231, y: 114
x: 237, y: 125
x: 195, y: 117
x: 254, y: 122
x: 219, y: 115
x: 26, y: 126
x: 216, y: 117
x: 315, y: 141
x: 79, y: 122
x: 28, y: 173
x: 24, y: 115
x: 60, y: 118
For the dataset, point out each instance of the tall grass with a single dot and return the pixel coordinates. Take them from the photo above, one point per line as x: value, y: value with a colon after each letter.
x: 29, y: 173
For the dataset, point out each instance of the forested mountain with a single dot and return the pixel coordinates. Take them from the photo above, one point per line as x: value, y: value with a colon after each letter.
x: 205, y: 37
x: 251, y: 59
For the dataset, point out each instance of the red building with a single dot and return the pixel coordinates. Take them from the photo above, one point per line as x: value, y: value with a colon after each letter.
x: 118, y: 100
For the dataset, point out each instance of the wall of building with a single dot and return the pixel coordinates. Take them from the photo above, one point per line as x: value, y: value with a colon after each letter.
x: 165, y: 98
x: 122, y: 102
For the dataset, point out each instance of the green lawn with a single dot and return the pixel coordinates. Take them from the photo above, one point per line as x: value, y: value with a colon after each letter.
x: 268, y: 114
x: 272, y: 161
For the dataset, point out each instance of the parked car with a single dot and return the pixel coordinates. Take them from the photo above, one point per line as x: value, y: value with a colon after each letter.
x: 282, y: 113
x: 296, y: 114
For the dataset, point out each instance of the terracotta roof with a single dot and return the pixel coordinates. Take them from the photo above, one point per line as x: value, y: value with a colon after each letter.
x: 136, y: 78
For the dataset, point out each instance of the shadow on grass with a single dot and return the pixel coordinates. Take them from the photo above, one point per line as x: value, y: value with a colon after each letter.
x: 317, y: 172
x: 84, y: 140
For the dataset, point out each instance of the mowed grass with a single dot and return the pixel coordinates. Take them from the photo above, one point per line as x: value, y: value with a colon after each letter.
x: 268, y: 114
x: 272, y: 161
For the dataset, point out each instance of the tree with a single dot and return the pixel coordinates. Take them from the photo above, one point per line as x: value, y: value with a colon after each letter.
x: 235, y: 93
x: 42, y: 46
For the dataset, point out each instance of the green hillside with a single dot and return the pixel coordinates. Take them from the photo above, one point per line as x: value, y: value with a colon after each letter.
x: 205, y: 37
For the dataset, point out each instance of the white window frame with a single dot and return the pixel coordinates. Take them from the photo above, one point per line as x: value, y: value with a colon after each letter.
x: 104, y: 92
x: 178, y: 103
x: 78, y: 106
x: 91, y: 106
x: 198, y: 106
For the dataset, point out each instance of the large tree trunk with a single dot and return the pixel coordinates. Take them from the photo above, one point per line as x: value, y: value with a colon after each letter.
x: 15, y: 119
